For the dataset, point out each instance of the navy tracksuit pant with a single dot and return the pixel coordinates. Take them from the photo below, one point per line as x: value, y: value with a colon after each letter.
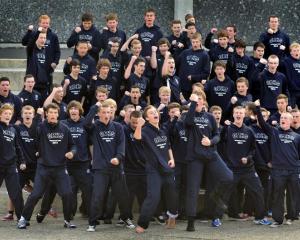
x: 101, y: 182
x: 60, y: 178
x: 281, y: 181
x: 219, y: 171
x: 157, y: 181
x: 11, y: 177
x: 251, y: 181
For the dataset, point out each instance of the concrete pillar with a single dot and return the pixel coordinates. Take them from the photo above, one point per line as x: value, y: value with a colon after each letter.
x: 181, y: 8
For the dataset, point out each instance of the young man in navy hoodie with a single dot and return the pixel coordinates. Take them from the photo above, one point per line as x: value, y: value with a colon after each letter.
x: 149, y: 33
x: 6, y: 96
x: 290, y: 66
x: 86, y: 32
x: 52, y: 49
x: 272, y: 83
x: 285, y: 145
x: 108, y: 153
x: 112, y: 31
x: 55, y: 147
x: 9, y: 144
x: 203, y: 135
x: 194, y: 65
x: 276, y: 41
x: 239, y: 151
x: 159, y: 168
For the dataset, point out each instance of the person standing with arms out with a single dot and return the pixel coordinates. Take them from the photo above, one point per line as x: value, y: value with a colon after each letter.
x: 55, y: 147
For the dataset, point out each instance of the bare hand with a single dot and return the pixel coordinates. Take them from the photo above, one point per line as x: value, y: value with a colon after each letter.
x: 40, y: 111
x: 205, y: 141
x: 69, y: 59
x: 69, y: 155
x: 230, y: 49
x: 244, y: 160
x: 115, y: 161
x: 263, y: 61
x: 171, y: 163
x: 154, y: 48
x: 233, y: 100
x: 77, y: 29
x: 257, y: 103
x: 135, y: 36
x: 53, y: 65
x: 30, y: 27
x: 194, y: 97
x: 67, y: 82
x: 213, y: 30
x: 23, y: 166
x: 270, y: 31
x: 141, y: 122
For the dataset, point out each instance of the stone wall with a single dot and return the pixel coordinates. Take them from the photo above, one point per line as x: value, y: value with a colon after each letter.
x: 250, y: 16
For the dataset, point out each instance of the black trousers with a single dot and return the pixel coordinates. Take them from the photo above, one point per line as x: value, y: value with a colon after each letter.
x: 265, y: 178
x: 60, y: 178
x: 155, y: 183
x: 101, y: 181
x: 11, y: 177
x: 180, y: 180
x: 281, y: 181
x: 218, y: 170
x: 26, y: 176
x: 254, y: 187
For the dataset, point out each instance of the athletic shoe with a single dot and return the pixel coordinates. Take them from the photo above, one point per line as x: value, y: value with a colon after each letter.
x: 160, y: 220
x: 120, y: 223
x: 91, y: 228
x: 216, y: 223
x: 107, y: 221
x: 128, y: 223
x: 190, y: 226
x: 275, y: 225
x: 53, y: 213
x: 40, y: 217
x: 289, y: 222
x: 22, y: 223
x: 171, y: 223
x: 264, y: 221
x: 69, y: 224
x: 8, y: 217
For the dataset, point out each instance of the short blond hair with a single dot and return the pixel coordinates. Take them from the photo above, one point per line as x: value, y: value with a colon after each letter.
x: 43, y: 17
x: 27, y: 107
x: 294, y: 45
x: 6, y: 106
x: 164, y: 89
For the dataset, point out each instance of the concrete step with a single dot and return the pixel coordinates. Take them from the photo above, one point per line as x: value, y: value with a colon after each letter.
x: 16, y: 76
x: 21, y: 63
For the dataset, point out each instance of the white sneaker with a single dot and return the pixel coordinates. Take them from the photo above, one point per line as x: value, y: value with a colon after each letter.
x: 91, y: 229
x: 289, y: 222
x: 275, y: 225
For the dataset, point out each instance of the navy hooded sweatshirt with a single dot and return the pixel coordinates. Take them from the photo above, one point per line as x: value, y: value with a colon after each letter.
x: 195, y: 63
x: 135, y: 158
x: 110, y: 83
x: 273, y: 42
x: 92, y: 36
x: 198, y: 125
x: 271, y: 85
x: 87, y: 67
x: 149, y: 37
x: 11, y: 152
x: 108, y: 142
x: 106, y: 35
x: 16, y: 102
x: 53, y: 142
x: 291, y: 68
x: 262, y: 154
x: 33, y: 98
x: 174, y: 49
x: 156, y: 146
x: 285, y: 146
x: 76, y: 90
x: 51, y: 45
x: 79, y: 133
x: 239, y: 143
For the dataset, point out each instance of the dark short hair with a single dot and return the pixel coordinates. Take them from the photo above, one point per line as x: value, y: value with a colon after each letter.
x: 240, y: 44
x: 258, y: 44
x: 190, y: 24
x: 139, y: 60
x: 86, y: 17
x: 75, y: 104
x: 136, y: 114
x: 4, y: 79
x: 28, y: 76
x: 52, y: 106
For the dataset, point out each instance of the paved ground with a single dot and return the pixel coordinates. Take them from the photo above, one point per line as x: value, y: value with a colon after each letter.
x: 53, y: 229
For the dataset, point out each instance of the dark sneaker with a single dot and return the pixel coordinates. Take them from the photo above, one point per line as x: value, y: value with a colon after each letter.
x: 160, y: 220
x: 120, y: 223
x: 107, y: 221
x: 40, y: 218
x: 128, y: 223
x: 190, y: 226
x: 69, y: 225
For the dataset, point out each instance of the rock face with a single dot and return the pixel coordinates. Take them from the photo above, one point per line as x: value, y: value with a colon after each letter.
x: 250, y: 16
x: 16, y: 15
